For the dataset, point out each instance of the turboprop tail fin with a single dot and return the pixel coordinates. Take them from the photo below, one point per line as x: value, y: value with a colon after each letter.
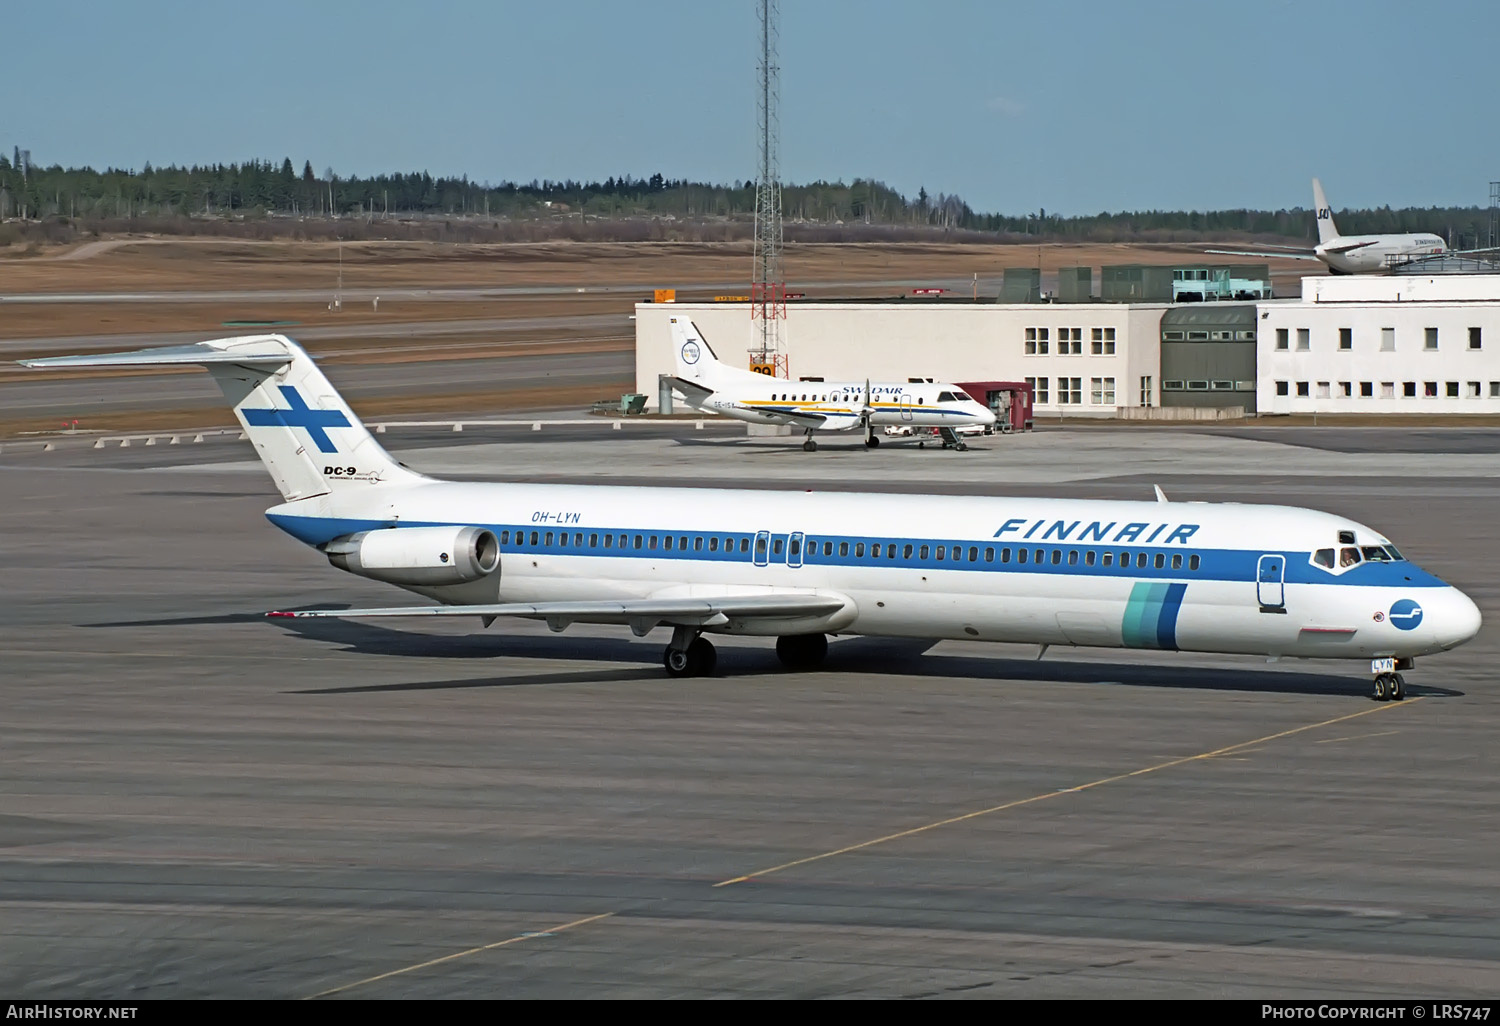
x: 306, y: 435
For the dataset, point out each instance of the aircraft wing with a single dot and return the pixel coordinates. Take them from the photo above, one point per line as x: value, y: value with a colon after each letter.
x: 1284, y: 254
x: 641, y: 614
x: 693, y: 391
x: 795, y: 418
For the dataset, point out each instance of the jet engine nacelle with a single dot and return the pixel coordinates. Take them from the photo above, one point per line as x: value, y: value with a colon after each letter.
x: 418, y: 555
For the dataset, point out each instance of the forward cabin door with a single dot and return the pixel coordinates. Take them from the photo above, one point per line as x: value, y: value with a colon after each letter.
x: 762, y: 553
x: 794, y: 549
x: 1270, y: 583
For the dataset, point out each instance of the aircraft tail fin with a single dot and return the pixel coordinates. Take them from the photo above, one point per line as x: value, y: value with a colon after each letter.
x: 696, y: 360
x: 306, y: 435
x: 1326, y: 230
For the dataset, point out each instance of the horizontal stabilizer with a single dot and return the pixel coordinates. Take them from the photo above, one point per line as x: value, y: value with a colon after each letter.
x: 691, y: 389
x: 674, y: 610
x: 1347, y: 245
x: 251, y: 354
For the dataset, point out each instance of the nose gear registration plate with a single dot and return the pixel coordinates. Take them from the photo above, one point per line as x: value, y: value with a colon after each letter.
x: 1382, y: 666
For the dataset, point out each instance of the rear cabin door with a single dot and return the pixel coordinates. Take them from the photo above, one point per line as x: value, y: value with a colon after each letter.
x: 762, y: 553
x: 906, y: 407
x: 1270, y: 586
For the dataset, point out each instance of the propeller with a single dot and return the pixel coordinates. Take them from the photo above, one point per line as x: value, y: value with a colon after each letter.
x: 867, y: 410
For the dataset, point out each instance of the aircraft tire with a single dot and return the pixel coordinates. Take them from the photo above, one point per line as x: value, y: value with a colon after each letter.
x: 679, y: 662
x: 704, y: 656
x: 1398, y: 687
x: 873, y: 443
x: 1382, y: 688
x: 801, y: 651
x: 809, y: 446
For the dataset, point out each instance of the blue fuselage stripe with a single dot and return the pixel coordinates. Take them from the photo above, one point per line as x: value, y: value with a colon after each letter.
x: 892, y: 552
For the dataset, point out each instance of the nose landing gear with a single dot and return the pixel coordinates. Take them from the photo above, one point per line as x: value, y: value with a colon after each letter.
x: 1389, y: 687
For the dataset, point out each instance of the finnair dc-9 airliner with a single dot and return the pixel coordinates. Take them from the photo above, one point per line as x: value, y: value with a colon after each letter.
x: 1198, y: 577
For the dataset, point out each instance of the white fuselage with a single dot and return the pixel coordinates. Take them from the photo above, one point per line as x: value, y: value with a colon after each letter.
x: 1190, y: 576
x: 919, y: 404
x: 1374, y: 254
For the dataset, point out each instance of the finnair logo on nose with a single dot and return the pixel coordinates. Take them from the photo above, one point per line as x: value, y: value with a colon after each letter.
x: 1406, y: 614
x: 690, y: 352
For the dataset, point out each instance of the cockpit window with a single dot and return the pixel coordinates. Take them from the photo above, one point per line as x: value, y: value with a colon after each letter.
x: 1394, y: 554
x: 1348, y: 557
x: 945, y: 397
x: 1324, y: 557
x: 962, y: 397
x: 1376, y: 553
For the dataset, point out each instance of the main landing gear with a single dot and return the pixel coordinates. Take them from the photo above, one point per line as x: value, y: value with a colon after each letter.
x: 809, y: 445
x: 689, y: 655
x: 801, y: 651
x: 1389, y: 687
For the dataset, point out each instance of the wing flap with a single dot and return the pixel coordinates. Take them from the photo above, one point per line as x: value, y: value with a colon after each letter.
x: 803, y: 420
x: 631, y: 611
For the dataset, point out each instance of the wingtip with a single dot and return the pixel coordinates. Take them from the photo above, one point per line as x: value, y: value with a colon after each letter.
x: 280, y: 612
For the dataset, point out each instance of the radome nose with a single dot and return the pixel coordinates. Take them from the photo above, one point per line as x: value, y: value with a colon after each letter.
x: 1458, y: 619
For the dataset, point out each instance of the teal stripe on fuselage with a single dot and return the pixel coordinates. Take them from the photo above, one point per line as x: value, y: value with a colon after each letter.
x: 1151, y: 614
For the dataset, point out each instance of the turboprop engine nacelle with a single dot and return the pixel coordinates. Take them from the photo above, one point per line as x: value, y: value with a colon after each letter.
x: 418, y: 555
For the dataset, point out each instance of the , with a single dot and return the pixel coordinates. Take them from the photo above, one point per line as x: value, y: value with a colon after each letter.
x: 1260, y: 580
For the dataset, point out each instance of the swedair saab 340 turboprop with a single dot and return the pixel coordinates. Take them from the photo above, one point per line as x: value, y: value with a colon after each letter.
x: 1201, y: 577
x: 713, y: 386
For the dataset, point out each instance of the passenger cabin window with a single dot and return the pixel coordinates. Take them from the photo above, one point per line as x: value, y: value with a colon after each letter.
x: 1192, y: 562
x: 859, y: 549
x: 776, y: 546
